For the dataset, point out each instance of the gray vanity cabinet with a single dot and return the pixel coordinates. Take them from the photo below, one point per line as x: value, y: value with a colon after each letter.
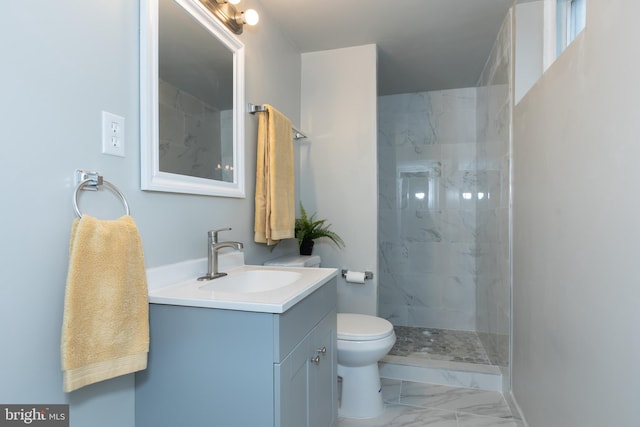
x: 323, y: 375
x: 306, y: 378
x: 213, y: 367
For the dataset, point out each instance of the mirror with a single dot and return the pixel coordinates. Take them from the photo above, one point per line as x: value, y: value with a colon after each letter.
x: 192, y: 99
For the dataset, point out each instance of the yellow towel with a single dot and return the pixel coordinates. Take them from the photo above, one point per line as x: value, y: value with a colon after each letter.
x: 275, y: 204
x: 105, y: 327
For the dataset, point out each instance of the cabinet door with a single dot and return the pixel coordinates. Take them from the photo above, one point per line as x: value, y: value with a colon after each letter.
x: 323, y: 380
x: 291, y: 387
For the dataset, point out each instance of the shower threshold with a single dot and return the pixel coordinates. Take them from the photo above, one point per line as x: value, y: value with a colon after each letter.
x: 441, y: 356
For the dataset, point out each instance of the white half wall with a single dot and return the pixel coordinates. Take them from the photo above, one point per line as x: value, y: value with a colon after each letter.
x: 339, y: 162
x: 577, y: 232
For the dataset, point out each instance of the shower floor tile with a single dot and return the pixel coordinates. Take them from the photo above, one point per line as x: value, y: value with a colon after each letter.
x: 439, y: 344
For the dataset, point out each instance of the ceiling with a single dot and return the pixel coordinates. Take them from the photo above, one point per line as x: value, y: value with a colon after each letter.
x: 422, y: 44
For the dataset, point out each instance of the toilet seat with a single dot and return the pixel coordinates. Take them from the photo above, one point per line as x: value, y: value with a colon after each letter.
x: 361, y: 327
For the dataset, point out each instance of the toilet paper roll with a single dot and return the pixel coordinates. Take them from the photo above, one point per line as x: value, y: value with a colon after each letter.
x: 355, y: 276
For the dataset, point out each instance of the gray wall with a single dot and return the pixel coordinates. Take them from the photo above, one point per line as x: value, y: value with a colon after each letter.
x: 529, y: 42
x: 338, y: 163
x: 576, y: 232
x: 62, y: 63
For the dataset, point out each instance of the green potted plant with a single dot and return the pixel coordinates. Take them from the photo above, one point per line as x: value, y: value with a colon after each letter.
x: 308, y: 228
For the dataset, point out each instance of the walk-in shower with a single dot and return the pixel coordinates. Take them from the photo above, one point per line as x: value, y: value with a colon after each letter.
x: 444, y: 197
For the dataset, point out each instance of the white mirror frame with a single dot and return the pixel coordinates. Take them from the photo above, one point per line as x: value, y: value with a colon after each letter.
x: 151, y: 177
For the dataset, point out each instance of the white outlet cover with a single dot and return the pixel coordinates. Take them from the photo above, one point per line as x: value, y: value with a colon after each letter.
x: 112, y: 134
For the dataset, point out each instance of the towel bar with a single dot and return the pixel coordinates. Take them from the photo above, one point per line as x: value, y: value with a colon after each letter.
x: 252, y: 108
x: 88, y: 180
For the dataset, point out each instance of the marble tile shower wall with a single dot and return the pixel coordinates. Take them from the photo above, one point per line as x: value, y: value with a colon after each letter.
x: 493, y: 285
x: 189, y: 130
x: 427, y: 208
x: 444, y: 205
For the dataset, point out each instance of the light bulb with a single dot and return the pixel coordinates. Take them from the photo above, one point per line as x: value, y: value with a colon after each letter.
x: 250, y: 17
x: 234, y: 1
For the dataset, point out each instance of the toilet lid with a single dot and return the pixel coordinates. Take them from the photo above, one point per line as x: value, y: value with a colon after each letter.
x: 360, y: 327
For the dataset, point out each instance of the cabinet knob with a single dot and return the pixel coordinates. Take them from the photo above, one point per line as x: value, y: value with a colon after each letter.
x: 322, y: 350
x: 316, y: 359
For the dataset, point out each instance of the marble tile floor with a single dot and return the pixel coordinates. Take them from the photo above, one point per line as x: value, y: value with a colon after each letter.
x: 439, y: 344
x: 411, y: 404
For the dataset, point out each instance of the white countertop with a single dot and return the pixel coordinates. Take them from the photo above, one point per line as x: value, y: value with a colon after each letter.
x: 177, y: 284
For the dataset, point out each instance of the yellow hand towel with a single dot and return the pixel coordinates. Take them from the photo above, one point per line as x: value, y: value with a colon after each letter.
x: 105, y: 327
x: 275, y: 198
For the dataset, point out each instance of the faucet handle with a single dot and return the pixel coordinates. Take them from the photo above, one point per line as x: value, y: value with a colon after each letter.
x: 213, y: 234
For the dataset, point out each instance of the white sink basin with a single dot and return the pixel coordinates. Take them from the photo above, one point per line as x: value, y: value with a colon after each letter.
x: 246, y: 287
x: 249, y: 281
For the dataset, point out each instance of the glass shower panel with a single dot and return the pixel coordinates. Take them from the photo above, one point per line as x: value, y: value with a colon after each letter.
x: 427, y: 187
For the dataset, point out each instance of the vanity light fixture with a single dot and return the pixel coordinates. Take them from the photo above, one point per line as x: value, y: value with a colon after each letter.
x: 227, y: 13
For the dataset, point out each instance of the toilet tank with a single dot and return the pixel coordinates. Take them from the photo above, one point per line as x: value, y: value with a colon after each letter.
x: 295, y: 261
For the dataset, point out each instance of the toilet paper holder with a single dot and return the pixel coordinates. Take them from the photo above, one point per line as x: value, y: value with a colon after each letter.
x: 368, y: 275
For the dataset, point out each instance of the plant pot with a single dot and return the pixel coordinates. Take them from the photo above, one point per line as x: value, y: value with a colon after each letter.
x: 306, y: 247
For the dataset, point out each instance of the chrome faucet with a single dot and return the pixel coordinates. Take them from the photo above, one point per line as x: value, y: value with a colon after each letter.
x: 212, y: 254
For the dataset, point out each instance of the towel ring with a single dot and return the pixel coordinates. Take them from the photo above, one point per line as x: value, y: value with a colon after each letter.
x: 93, y: 182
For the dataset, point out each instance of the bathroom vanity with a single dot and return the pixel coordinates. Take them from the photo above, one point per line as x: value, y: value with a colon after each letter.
x: 269, y: 364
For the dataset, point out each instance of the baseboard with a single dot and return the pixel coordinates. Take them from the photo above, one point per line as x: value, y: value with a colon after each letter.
x: 515, y: 408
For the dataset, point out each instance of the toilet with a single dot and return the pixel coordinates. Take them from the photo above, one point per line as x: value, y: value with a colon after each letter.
x: 362, y: 340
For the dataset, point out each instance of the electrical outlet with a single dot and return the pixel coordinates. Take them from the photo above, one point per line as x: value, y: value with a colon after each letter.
x: 112, y: 134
